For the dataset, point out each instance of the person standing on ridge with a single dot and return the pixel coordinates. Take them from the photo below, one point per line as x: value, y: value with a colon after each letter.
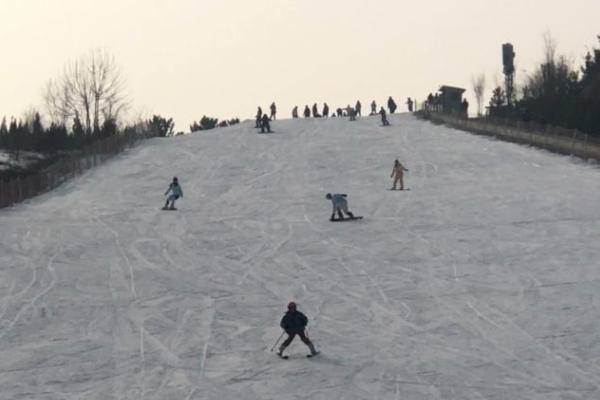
x: 273, y: 111
x: 340, y: 204
x: 373, y: 108
x: 176, y: 193
x: 398, y: 174
x: 265, y: 124
x: 325, y: 110
x: 295, y: 112
x: 306, y: 111
x: 409, y: 103
x: 357, y: 108
x: 391, y: 105
x: 351, y: 112
x: 258, y: 117
x: 384, y: 120
x: 315, y: 111
x: 294, y: 323
x: 465, y: 108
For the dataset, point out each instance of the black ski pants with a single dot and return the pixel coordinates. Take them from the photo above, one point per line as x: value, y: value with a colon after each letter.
x: 292, y: 335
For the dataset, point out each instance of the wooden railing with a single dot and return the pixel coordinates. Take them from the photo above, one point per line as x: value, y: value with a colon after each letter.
x: 553, y: 138
x: 19, y: 189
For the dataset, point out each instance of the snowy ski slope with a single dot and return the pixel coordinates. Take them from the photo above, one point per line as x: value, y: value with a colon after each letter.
x: 481, y: 282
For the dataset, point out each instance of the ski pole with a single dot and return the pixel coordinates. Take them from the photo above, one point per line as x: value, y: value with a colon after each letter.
x: 277, y: 342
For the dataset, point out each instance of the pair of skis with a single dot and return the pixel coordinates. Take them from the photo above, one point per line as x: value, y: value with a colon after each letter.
x: 307, y: 356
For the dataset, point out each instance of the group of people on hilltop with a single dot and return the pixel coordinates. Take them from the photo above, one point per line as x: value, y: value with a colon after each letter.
x: 347, y: 111
x: 263, y: 121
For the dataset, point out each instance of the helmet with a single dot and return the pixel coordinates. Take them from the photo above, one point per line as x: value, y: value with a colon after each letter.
x: 328, y: 196
x: 291, y: 306
x: 175, y: 179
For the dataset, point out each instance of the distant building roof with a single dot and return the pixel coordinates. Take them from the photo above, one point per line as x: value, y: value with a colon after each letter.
x: 445, y: 88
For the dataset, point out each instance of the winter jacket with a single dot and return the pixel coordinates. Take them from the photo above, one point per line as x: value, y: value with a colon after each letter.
x: 339, y: 201
x: 294, y: 322
x: 392, y: 105
x: 175, y: 189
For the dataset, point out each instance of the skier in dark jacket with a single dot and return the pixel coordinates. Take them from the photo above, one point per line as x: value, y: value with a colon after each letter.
x: 273, y: 111
x: 392, y: 105
x: 294, y: 323
x: 325, y: 110
x: 295, y: 112
x: 265, y: 124
x: 357, y: 108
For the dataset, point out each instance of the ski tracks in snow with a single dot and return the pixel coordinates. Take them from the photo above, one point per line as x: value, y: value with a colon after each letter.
x: 7, y: 327
x: 190, y: 300
x: 499, y: 330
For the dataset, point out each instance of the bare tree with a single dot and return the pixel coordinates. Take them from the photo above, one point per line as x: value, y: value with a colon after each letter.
x: 92, y: 88
x: 549, y: 48
x: 478, y: 83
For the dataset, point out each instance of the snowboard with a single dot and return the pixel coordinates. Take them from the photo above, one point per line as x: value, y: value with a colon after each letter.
x: 399, y: 190
x: 169, y: 209
x: 347, y: 219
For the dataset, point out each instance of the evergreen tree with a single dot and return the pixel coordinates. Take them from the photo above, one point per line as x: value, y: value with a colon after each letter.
x: 205, y: 124
x: 3, y: 134
x: 498, y: 98
x: 109, y: 128
x: 36, y: 127
x: 161, y: 126
x: 55, y: 138
x: 78, y: 131
x: 3, y: 127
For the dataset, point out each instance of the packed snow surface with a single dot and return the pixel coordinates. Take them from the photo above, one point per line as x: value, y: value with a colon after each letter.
x: 481, y: 282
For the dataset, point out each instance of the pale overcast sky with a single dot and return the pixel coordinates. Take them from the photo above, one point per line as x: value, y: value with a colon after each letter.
x: 186, y: 58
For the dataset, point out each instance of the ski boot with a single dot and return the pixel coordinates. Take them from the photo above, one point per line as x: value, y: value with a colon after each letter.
x: 313, y: 351
x: 280, y: 352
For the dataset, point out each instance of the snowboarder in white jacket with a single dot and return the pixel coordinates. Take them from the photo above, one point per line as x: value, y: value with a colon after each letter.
x: 176, y: 192
x: 340, y: 206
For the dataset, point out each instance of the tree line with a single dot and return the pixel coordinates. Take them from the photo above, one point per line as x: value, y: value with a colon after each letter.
x: 557, y: 93
x: 29, y: 134
x: 85, y: 103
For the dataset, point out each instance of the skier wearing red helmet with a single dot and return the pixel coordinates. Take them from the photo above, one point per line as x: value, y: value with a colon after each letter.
x: 294, y: 323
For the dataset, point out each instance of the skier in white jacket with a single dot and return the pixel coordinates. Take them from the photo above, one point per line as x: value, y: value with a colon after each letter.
x: 176, y: 192
x: 340, y: 204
